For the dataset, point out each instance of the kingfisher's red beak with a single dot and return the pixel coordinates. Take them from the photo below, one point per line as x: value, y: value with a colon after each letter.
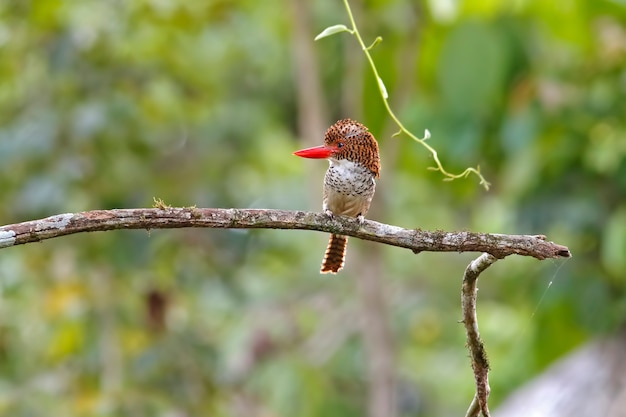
x: 317, y: 152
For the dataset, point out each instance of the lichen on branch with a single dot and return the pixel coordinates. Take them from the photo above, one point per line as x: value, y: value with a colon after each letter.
x: 165, y: 217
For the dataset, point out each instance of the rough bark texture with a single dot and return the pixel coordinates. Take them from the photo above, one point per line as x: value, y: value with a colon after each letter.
x: 478, y: 356
x: 169, y: 218
x: 493, y: 246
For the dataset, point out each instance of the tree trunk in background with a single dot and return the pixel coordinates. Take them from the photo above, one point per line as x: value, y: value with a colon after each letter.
x: 372, y: 283
x: 312, y: 118
x: 370, y: 278
x: 587, y: 383
x: 376, y: 332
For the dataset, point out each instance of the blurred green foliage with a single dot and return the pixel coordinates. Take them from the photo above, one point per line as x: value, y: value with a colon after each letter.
x: 109, y: 104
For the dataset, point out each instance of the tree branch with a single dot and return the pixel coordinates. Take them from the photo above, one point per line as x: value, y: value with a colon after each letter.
x: 478, y: 356
x: 497, y: 245
x: 493, y: 246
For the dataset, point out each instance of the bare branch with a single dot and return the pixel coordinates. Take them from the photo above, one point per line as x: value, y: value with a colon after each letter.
x: 494, y: 246
x: 169, y: 218
x: 474, y: 408
x: 478, y: 356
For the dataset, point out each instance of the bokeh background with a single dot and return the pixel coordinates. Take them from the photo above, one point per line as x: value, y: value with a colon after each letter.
x: 109, y: 104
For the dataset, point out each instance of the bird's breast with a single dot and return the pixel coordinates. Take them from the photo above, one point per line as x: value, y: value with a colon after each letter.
x: 348, y: 188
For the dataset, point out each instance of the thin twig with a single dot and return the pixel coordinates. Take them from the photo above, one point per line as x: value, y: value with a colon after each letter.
x: 480, y: 363
x: 474, y: 409
x: 170, y: 218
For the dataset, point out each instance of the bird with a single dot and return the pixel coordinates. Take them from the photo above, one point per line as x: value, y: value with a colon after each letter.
x: 349, y: 183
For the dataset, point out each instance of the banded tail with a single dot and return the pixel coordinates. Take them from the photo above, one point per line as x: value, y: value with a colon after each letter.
x: 335, y: 254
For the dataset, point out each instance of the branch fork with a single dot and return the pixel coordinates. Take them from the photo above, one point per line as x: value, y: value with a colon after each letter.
x: 493, y: 246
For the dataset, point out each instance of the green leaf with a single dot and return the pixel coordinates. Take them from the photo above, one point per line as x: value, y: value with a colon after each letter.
x: 331, y: 30
x: 383, y: 89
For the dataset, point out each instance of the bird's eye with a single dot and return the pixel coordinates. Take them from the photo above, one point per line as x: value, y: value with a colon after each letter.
x: 340, y: 145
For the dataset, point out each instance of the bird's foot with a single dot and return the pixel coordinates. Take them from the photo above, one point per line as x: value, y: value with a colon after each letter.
x: 329, y: 213
x: 361, y: 219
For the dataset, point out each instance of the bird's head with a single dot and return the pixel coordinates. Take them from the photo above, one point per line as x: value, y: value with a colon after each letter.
x: 349, y: 140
